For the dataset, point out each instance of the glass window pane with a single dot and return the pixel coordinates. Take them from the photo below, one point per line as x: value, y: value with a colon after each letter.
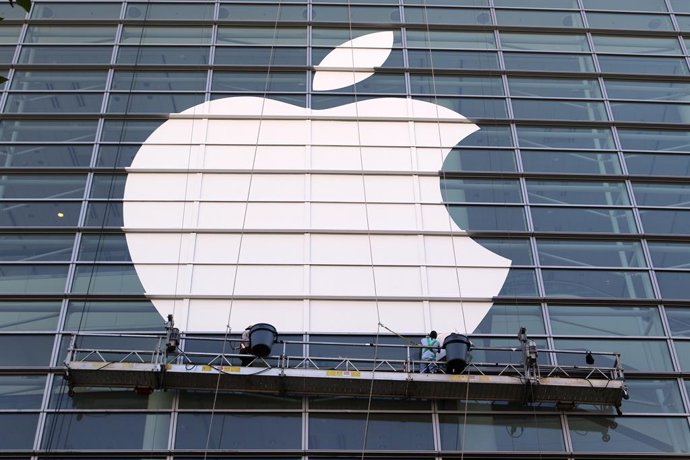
x: 283, y: 36
x: 652, y: 396
x: 169, y: 11
x: 436, y: 39
x: 29, y: 315
x: 48, y: 131
x: 678, y: 321
x: 658, y: 165
x: 648, y: 90
x: 240, y: 81
x: 164, y: 35
x: 103, y: 247
x: 491, y: 433
x: 52, y: 102
x: 629, y: 434
x: 116, y: 156
x: 518, y: 250
x: 624, y: 254
x: 357, y: 14
x: 554, y: 87
x: 519, y: 283
x: 238, y: 431
x: 673, y: 285
x: 480, y: 191
x: 559, y: 110
x: 70, y: 34
x: 408, y: 432
x: 651, y: 65
x: 502, y: 319
x: 164, y: 55
x: 452, y: 59
x: 549, y: 62
x: 256, y: 56
x: 30, y: 247
x: 112, y: 316
x: 125, y: 431
x: 578, y: 320
x: 45, y: 156
x: 105, y: 398
x: 597, y: 284
x: 266, y: 12
x: 581, y: 162
x: 21, y: 391
x: 543, y: 42
x: 488, y: 217
x: 657, y: 140
x: 72, y: 11
x: 128, y: 103
x: 159, y: 80
x: 39, y: 214
x: 8, y: 11
x: 537, y: 3
x: 33, y: 279
x: 538, y: 18
x: 455, y: 85
x: 580, y: 192
x: 469, y: 16
x: 462, y: 159
x: 680, y: 6
x: 332, y: 37
x: 208, y: 400
x: 673, y: 222
x: 92, y: 279
x: 42, y: 186
x: 629, y: 21
x: 59, y: 80
x: 17, y: 431
x: 683, y: 24
x: 630, y: 5
x: 668, y: 195
x: 27, y: 350
x: 104, y: 215
x: 636, y: 355
x: 36, y: 54
x: 566, y: 138
x: 669, y: 255
x: 636, y: 45
x: 128, y: 130
x: 489, y: 136
x: 645, y: 112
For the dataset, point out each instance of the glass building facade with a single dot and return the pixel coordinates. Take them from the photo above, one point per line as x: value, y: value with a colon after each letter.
x: 578, y: 175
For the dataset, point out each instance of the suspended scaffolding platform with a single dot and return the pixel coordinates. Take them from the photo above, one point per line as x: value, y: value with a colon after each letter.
x: 522, y: 382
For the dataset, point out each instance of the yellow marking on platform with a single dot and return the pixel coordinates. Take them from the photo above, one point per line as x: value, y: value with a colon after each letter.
x: 343, y: 373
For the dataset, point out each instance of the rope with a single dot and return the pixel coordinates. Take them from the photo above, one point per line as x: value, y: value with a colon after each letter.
x: 228, y: 328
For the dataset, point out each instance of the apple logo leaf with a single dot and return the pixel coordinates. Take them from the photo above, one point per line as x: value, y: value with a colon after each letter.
x: 353, y: 61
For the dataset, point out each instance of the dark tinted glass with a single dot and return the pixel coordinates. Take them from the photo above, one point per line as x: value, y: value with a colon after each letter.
x: 597, y: 284
x: 34, y: 247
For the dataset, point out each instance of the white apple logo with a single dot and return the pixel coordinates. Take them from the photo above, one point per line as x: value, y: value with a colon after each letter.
x: 246, y: 210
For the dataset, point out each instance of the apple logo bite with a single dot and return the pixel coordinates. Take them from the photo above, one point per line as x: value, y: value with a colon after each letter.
x: 248, y: 209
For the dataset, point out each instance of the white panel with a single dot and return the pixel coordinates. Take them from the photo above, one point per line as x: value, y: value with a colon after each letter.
x: 398, y: 281
x: 384, y: 133
x: 164, y: 279
x: 176, y: 307
x: 277, y: 187
x: 346, y: 316
x: 220, y: 248
x: 342, y: 158
x: 266, y: 131
x: 435, y: 218
x: 183, y: 156
x: 272, y: 249
x: 392, y: 217
x: 475, y: 283
x: 336, y: 158
x: 338, y: 216
x: 160, y: 247
x: 439, y: 251
x: 281, y: 158
x: 212, y: 315
x: 270, y: 215
x: 137, y: 215
x: 328, y: 187
x: 463, y: 318
x: 430, y: 189
x: 270, y: 280
x: 391, y: 189
x: 340, y: 249
x: 164, y: 187
x: 395, y: 249
x: 387, y: 159
x: 233, y: 132
x: 345, y: 281
x: 213, y: 280
x: 234, y: 157
x: 225, y: 187
x: 221, y: 215
x: 179, y: 132
x: 331, y: 132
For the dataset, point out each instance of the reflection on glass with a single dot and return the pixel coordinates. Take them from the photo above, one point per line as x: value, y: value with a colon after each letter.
x: 581, y: 162
x: 538, y: 18
x: 152, y: 103
x: 669, y: 255
x: 45, y: 156
x: 70, y: 34
x: 35, y: 54
x: 668, y: 195
x: 559, y: 110
x: 21, y: 391
x: 469, y: 16
x: 269, y: 36
x: 502, y: 319
x: 164, y: 55
x: 652, y: 396
x: 18, y: 430
x: 629, y: 434
x: 114, y: 279
x: 455, y: 85
x: 678, y: 321
x: 39, y: 214
x: 577, y: 192
x: 49, y: 102
x: 160, y: 35
x: 624, y: 254
x: 461, y: 159
x: 648, y: 90
x: 543, y: 42
x: 554, y: 87
x: 629, y: 21
x: 488, y: 217
x: 636, y: 45
x: 675, y: 222
x: 452, y: 59
x: 654, y: 139
x: 549, y: 62
x: 673, y: 285
x: 29, y: 315
x: 568, y: 138
x: 59, y: 80
x: 436, y: 39
x: 169, y: 11
x: 26, y: 350
x: 112, y: 316
x: 480, y: 191
x: 521, y: 282
x: 645, y: 112
x: 629, y: 5
x: 31, y: 247
x: 651, y: 65
x: 636, y: 354
x: 579, y: 320
x: 597, y: 284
